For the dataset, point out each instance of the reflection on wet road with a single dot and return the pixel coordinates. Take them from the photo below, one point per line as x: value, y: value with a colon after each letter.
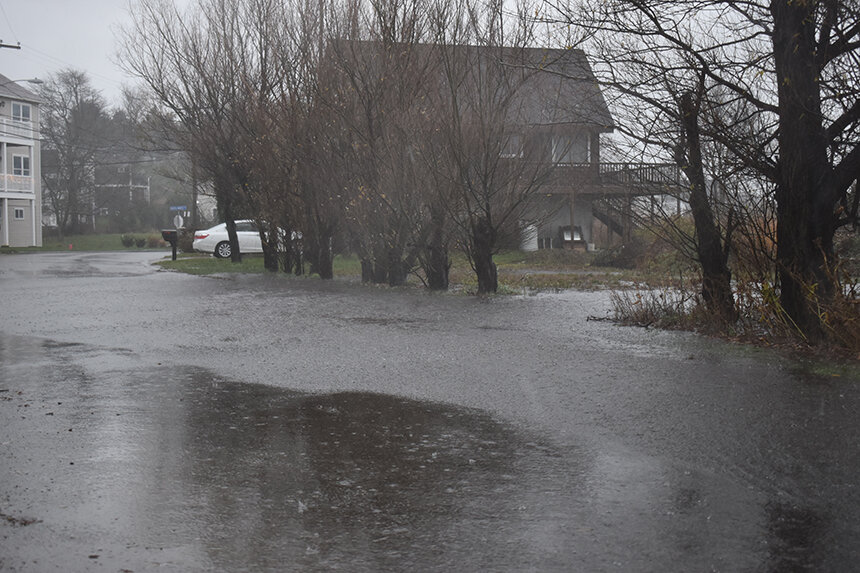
x: 234, y: 476
x: 399, y: 432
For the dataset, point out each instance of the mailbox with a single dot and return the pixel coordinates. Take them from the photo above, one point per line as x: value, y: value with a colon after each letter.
x: 171, y: 236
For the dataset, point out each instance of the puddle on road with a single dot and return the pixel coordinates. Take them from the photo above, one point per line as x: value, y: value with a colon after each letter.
x: 178, y: 469
x: 363, y: 481
x: 231, y: 476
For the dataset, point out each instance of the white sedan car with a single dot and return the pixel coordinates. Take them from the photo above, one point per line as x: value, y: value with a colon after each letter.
x: 216, y: 241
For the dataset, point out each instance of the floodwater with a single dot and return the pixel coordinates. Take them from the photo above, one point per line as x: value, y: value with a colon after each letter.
x: 153, y: 421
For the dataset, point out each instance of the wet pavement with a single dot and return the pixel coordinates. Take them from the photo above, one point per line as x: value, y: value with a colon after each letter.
x: 153, y: 421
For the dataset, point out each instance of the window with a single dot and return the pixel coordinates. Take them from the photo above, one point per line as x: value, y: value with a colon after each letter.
x: 246, y: 227
x: 513, y: 146
x: 567, y: 149
x: 19, y: 214
x: 21, y: 165
x: 20, y: 111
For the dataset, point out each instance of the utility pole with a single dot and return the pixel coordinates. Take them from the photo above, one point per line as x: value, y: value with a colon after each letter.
x: 195, y: 218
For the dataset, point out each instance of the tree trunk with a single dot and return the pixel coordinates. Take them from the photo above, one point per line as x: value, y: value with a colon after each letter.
x: 366, y: 270
x: 379, y: 274
x: 319, y: 253
x: 324, y: 261
x: 286, y: 257
x: 269, y: 241
x: 235, y: 255
x: 481, y: 252
x: 398, y: 270
x: 270, y: 258
x: 437, y: 265
x: 298, y: 257
x: 716, y: 276
x: 805, y: 195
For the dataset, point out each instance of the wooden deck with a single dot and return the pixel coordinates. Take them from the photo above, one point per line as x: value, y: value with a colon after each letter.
x: 625, y: 179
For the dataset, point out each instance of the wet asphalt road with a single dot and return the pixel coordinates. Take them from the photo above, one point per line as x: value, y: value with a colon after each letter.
x: 153, y: 421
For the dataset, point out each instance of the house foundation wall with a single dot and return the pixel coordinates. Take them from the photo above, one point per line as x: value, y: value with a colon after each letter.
x: 23, y: 232
x: 553, y: 228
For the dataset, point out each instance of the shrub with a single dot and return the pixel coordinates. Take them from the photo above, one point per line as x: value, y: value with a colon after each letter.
x: 127, y: 240
x: 620, y: 257
x: 155, y: 242
x: 186, y: 240
x: 140, y: 242
x: 668, y: 308
x: 839, y: 314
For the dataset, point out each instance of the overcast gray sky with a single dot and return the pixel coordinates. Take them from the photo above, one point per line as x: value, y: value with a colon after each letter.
x: 58, y: 34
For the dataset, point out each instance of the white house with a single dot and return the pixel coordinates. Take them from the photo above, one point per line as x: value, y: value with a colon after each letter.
x: 20, y: 166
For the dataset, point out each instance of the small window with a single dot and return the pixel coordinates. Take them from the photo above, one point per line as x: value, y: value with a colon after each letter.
x: 19, y: 214
x: 20, y: 111
x: 569, y: 150
x: 562, y: 149
x: 21, y: 165
x: 513, y: 146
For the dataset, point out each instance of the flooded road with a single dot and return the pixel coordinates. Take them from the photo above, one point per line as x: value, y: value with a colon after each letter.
x: 157, y: 421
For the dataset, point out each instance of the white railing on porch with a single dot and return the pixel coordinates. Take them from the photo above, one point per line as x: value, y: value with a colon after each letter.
x: 22, y: 129
x: 16, y: 184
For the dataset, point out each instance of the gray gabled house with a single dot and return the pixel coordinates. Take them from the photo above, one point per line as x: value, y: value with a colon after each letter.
x: 551, y: 114
x: 562, y: 112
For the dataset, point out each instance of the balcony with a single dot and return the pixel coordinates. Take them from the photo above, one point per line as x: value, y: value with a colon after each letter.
x: 615, y: 178
x: 16, y: 184
x: 640, y: 174
x: 14, y: 129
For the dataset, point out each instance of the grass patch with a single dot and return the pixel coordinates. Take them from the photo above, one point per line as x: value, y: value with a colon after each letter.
x: 94, y: 242
x: 195, y: 264
x: 545, y: 259
x: 346, y: 265
x: 517, y: 271
x: 199, y: 264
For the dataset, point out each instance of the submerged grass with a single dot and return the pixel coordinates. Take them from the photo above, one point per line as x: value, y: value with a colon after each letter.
x: 517, y: 271
x: 200, y: 264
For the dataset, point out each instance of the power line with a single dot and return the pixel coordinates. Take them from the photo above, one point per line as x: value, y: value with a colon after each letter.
x: 9, y: 23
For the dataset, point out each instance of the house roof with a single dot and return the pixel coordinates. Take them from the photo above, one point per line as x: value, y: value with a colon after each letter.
x: 558, y: 87
x: 562, y: 89
x: 10, y: 89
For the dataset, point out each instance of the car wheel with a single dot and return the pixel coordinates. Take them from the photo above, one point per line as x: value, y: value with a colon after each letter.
x: 222, y: 250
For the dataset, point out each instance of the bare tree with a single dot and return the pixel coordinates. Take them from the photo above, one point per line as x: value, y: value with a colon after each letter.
x: 787, y: 109
x: 375, y: 93
x: 74, y: 121
x: 237, y: 79
x: 189, y: 62
x: 486, y: 68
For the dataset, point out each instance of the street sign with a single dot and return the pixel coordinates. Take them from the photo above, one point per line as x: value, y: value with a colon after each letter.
x: 178, y: 207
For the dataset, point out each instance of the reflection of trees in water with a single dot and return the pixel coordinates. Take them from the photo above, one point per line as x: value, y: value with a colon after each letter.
x: 359, y: 479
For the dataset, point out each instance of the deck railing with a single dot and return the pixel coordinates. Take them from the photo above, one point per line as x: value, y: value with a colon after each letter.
x: 639, y: 174
x: 21, y: 129
x: 636, y: 178
x: 16, y: 184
